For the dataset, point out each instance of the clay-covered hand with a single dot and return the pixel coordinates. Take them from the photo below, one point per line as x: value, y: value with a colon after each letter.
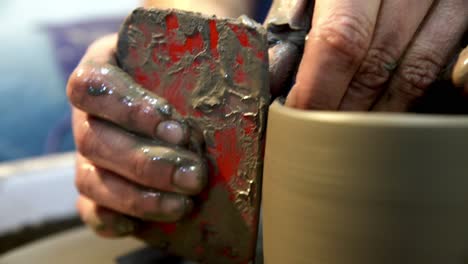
x: 372, y: 55
x: 134, y: 164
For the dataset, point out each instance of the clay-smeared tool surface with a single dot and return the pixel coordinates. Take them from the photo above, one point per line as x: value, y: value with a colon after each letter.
x: 215, y: 73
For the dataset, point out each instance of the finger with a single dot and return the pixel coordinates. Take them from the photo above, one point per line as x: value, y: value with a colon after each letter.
x: 109, y: 190
x: 431, y: 49
x: 397, y: 23
x: 284, y: 58
x: 146, y: 162
x: 460, y: 71
x: 102, y: 89
x: 103, y: 221
x: 287, y: 23
x: 109, y: 93
x: 340, y: 37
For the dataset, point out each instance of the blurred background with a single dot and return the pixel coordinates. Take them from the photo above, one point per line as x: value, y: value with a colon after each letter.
x: 41, y: 42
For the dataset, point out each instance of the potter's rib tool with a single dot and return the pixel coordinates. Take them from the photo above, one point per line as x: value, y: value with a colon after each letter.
x: 215, y: 73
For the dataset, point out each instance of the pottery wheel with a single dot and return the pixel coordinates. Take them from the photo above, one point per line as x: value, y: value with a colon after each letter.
x: 81, y: 245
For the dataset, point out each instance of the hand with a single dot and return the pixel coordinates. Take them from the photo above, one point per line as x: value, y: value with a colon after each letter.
x: 133, y: 163
x: 374, y: 55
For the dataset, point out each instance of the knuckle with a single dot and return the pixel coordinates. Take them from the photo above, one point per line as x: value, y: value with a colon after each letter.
x: 83, y: 183
x: 139, y: 115
x: 418, y: 73
x: 140, y: 167
x: 143, y: 110
x: 347, y: 34
x: 78, y: 83
x: 87, y: 79
x: 133, y: 206
x: 85, y: 140
x: 375, y: 70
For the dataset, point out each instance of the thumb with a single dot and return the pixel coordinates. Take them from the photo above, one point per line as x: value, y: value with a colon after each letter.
x: 287, y: 23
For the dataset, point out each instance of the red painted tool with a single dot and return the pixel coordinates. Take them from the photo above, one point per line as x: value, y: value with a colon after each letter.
x: 215, y: 73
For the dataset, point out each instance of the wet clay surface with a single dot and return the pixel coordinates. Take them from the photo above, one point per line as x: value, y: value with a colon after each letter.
x: 215, y: 73
x: 364, y: 188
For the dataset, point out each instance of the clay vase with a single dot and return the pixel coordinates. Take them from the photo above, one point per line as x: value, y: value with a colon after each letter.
x: 365, y: 188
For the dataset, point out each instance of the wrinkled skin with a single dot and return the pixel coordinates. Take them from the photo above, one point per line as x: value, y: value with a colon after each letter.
x: 134, y: 162
x: 360, y: 55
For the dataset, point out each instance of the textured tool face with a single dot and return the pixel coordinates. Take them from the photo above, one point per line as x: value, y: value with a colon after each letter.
x: 215, y: 73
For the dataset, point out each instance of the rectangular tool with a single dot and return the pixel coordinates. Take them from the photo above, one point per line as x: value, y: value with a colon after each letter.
x: 215, y: 73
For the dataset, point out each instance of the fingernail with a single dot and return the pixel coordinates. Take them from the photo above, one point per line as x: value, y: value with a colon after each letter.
x: 172, y: 208
x: 173, y: 205
x: 190, y: 178
x: 171, y: 132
